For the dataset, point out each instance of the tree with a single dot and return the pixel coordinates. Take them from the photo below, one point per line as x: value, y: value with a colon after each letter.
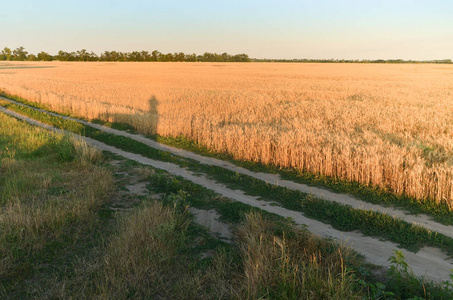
x: 106, y: 56
x: 191, y: 57
x: 32, y: 57
x: 82, y: 55
x: 66, y: 56
x: 6, y: 54
x: 62, y: 55
x: 241, y: 58
x: 179, y: 56
x: 44, y: 56
x: 155, y: 55
x: 146, y: 56
x: 93, y: 56
x: 111, y: 56
x: 208, y: 56
x: 20, y: 54
x: 122, y: 56
x: 166, y: 57
x: 226, y: 57
x: 135, y: 56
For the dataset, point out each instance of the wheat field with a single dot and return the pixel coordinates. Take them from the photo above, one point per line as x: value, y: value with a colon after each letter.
x: 377, y: 124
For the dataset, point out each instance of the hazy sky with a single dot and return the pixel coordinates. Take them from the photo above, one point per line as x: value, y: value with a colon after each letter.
x: 263, y: 29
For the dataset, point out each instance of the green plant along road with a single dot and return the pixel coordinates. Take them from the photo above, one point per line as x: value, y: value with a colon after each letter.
x: 275, y: 199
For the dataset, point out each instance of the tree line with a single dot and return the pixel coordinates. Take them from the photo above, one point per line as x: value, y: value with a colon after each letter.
x: 364, y: 61
x: 19, y: 54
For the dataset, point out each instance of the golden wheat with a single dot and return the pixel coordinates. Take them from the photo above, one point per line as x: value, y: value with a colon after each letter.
x: 382, y: 125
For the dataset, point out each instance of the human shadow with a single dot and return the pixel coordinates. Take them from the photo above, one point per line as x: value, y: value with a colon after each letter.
x: 144, y: 121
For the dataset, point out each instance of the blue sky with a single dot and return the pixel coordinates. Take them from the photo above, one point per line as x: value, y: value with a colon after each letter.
x: 263, y: 29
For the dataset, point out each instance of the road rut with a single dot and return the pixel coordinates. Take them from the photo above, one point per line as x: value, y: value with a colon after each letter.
x: 429, y: 262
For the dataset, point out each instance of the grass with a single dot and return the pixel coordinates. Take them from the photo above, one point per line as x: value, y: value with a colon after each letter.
x: 152, y: 256
x: 228, y: 272
x: 440, y: 211
x: 58, y: 241
x: 51, y: 189
x: 293, y: 265
x: 256, y: 226
x: 342, y: 217
x: 376, y: 195
x: 368, y: 222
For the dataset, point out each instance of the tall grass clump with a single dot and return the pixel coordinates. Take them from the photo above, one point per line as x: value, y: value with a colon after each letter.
x: 146, y: 256
x: 292, y: 265
x: 153, y: 254
x: 50, y: 191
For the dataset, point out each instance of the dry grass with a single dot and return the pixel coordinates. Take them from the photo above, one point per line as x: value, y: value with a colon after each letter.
x: 384, y: 125
x: 50, y: 192
x: 148, y: 259
x: 299, y: 267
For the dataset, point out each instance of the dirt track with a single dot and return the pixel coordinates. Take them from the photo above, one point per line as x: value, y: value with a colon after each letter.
x: 428, y: 261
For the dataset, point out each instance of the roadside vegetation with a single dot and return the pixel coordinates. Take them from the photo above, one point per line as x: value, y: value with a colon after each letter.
x: 51, y: 188
x: 61, y: 238
x: 339, y: 216
x: 440, y: 211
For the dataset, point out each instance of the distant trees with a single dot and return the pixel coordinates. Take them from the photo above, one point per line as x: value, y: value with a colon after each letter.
x: 6, y: 54
x: 145, y: 56
x: 357, y: 61
x: 166, y: 57
x: 19, y: 54
x: 113, y: 56
x: 80, y: 55
x: 65, y: 56
x: 16, y: 54
x: 136, y: 56
x: 84, y: 55
x: 155, y: 55
x: 32, y: 57
x: 44, y: 56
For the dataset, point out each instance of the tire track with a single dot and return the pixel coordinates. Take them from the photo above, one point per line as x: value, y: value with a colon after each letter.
x: 429, y: 262
x: 275, y: 179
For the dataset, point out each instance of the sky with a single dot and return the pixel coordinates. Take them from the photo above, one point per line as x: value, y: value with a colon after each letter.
x: 316, y: 29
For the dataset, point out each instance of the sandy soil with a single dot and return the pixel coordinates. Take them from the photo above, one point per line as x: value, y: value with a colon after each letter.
x: 210, y: 219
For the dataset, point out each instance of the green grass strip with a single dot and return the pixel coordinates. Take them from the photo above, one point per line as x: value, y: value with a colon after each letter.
x: 234, y: 212
x: 342, y: 217
x: 372, y: 194
x: 376, y: 195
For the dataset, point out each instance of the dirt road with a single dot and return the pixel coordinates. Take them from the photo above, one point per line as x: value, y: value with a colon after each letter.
x: 429, y: 262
